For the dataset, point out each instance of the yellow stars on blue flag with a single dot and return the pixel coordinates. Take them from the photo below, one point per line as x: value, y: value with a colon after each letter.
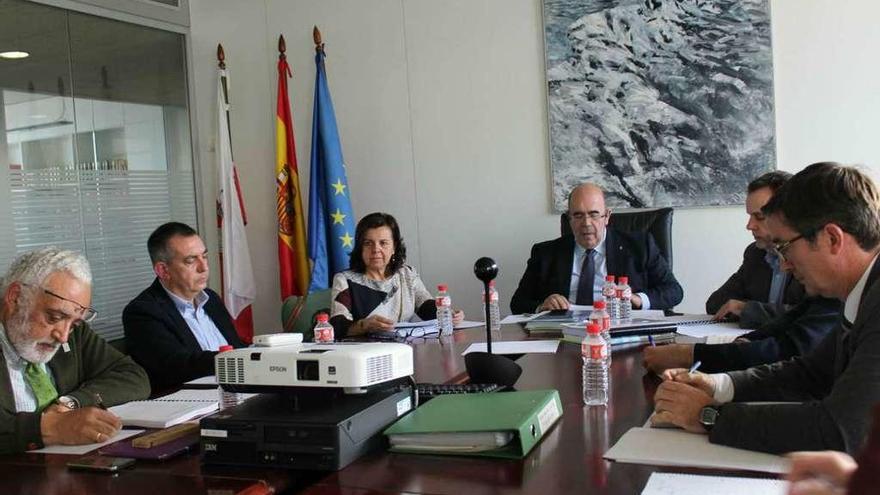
x: 347, y: 241
x: 339, y: 187
x: 338, y: 217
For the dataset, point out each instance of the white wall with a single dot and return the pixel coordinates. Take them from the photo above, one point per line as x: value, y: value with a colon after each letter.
x: 443, y: 121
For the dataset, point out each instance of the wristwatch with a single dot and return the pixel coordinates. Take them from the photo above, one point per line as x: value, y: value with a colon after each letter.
x: 708, y: 417
x: 68, y: 402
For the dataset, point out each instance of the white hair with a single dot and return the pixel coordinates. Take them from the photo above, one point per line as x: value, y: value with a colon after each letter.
x: 34, y: 267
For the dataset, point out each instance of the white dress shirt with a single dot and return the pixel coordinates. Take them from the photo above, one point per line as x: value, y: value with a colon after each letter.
x: 601, y: 272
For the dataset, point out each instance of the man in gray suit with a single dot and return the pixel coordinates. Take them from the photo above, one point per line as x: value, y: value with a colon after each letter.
x: 825, y: 228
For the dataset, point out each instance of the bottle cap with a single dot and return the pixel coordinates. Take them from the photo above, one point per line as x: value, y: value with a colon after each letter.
x: 441, y: 287
x: 224, y: 348
x: 594, y: 329
x: 599, y: 305
x: 322, y: 317
x: 623, y: 280
x: 609, y: 278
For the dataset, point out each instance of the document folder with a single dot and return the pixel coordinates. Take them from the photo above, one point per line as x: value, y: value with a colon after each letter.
x: 501, y: 424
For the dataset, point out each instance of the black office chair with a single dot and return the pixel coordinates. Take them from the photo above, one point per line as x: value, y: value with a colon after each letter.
x: 658, y: 222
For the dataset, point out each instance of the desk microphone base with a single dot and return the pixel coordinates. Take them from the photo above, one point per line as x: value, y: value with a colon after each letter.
x: 483, y: 367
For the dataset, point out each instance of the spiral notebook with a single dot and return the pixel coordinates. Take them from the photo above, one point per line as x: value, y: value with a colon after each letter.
x: 691, y: 484
x: 168, y: 410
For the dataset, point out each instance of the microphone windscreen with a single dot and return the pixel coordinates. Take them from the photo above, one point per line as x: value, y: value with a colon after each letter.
x: 486, y: 269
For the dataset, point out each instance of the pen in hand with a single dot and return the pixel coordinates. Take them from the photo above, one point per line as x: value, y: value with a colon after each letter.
x: 99, y: 401
x: 694, y: 367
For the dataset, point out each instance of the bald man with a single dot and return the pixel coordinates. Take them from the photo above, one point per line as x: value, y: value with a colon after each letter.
x: 571, y: 269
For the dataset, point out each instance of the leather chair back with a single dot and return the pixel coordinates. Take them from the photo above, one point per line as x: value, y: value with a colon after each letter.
x: 658, y: 222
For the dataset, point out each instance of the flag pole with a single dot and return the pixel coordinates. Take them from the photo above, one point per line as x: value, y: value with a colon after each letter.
x: 236, y: 271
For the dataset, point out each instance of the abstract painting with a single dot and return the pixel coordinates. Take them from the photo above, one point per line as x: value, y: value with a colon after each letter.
x: 660, y: 102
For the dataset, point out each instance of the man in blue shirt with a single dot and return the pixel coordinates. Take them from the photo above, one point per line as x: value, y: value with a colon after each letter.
x: 176, y: 326
x: 760, y: 290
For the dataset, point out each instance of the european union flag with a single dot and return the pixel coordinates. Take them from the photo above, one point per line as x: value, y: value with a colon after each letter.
x: 331, y: 222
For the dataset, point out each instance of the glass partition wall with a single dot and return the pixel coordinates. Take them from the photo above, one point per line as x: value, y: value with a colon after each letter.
x: 95, y: 147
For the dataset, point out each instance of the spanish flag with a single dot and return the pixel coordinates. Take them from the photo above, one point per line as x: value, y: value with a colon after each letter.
x: 292, y: 261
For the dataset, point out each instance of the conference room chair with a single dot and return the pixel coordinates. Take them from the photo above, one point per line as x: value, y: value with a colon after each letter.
x: 298, y: 312
x: 658, y: 222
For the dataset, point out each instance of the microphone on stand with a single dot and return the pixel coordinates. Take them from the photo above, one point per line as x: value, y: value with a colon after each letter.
x: 485, y: 367
x: 486, y: 270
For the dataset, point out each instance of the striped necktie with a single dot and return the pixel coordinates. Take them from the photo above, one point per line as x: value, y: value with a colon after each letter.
x: 41, y: 385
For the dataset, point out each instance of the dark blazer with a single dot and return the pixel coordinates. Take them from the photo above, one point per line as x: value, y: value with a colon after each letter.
x: 751, y: 283
x: 159, y: 339
x: 795, y: 333
x: 834, y: 387
x: 632, y: 254
x: 91, y: 366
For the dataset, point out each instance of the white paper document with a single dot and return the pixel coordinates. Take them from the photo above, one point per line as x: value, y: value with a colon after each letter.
x: 691, y: 484
x: 416, y: 324
x: 469, y: 324
x: 675, y: 447
x: 516, y: 347
x: 714, y: 330
x: 85, y: 449
x: 523, y: 318
x: 205, y: 380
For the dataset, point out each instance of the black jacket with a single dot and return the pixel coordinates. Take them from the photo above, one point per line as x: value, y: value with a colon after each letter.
x: 834, y: 386
x: 794, y: 333
x: 632, y: 254
x: 751, y: 283
x: 158, y: 338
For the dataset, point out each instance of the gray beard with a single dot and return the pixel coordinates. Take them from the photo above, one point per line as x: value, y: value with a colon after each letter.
x: 17, y: 331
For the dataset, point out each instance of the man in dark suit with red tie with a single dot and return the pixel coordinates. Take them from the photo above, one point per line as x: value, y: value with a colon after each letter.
x: 571, y: 269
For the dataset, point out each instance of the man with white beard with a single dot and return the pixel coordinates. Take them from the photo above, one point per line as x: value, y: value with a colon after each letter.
x: 49, y: 397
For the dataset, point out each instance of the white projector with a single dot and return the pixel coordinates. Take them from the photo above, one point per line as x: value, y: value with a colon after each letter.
x: 352, y: 366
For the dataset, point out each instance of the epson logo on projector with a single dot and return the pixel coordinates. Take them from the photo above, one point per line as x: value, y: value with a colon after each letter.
x: 280, y: 369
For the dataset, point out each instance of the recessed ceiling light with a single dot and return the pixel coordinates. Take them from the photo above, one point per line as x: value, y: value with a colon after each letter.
x: 14, y: 54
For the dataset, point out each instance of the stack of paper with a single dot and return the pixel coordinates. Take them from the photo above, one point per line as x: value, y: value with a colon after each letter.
x: 689, y: 484
x: 169, y: 410
x: 673, y: 447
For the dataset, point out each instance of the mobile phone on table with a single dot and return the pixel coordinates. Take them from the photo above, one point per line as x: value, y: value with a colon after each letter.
x: 101, y: 463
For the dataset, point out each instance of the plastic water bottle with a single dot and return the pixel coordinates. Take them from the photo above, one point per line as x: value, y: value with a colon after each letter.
x: 324, y: 330
x: 624, y: 298
x: 494, y: 309
x: 595, y: 370
x: 600, y: 317
x: 444, y: 310
x: 228, y: 399
x: 609, y: 295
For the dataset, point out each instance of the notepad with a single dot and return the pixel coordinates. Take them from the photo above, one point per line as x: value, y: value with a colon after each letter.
x: 169, y: 410
x: 674, y: 447
x: 691, y: 484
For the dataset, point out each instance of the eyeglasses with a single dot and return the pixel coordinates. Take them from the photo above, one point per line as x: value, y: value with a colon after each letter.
x: 580, y: 216
x: 88, y: 313
x: 779, y: 248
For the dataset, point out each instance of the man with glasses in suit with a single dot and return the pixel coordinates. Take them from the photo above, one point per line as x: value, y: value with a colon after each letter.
x: 825, y: 228
x: 571, y: 269
x: 50, y: 397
